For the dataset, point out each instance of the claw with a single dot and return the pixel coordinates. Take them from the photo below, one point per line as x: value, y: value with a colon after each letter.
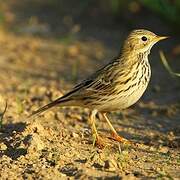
x: 120, y: 139
x: 100, y: 143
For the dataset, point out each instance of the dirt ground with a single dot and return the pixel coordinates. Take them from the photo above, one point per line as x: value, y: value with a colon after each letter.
x: 58, y: 144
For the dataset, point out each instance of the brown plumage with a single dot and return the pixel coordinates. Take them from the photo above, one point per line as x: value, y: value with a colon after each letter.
x: 117, y: 85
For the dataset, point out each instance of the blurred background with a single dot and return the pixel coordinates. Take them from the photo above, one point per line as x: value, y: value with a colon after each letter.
x: 46, y: 47
x: 62, y: 18
x: 65, y: 40
x: 82, y: 32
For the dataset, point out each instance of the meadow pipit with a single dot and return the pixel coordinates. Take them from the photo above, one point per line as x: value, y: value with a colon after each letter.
x: 117, y: 85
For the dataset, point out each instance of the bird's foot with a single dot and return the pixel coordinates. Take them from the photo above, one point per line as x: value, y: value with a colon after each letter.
x: 120, y: 139
x: 99, y: 142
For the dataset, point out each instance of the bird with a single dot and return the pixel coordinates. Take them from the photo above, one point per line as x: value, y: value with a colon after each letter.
x: 114, y: 87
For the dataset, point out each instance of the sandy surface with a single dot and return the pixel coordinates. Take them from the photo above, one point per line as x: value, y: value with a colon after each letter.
x: 58, y: 144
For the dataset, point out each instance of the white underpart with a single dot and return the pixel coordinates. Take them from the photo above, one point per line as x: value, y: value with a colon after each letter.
x: 128, y: 98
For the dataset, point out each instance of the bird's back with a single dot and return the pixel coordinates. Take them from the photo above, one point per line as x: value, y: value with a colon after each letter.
x: 116, y: 86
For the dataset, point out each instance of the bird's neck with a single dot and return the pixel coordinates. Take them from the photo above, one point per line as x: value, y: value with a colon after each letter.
x: 128, y: 58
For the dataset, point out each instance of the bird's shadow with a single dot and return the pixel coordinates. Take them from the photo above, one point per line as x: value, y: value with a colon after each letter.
x: 12, y: 142
x: 161, y: 128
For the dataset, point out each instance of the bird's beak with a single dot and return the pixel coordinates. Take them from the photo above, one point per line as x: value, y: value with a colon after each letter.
x: 159, y: 38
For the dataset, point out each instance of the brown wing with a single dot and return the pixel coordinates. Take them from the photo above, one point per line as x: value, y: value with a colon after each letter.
x: 100, y: 83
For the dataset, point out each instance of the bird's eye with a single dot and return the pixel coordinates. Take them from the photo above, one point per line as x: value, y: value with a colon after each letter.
x: 144, y: 38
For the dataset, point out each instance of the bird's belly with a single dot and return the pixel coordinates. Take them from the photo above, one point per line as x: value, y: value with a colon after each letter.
x: 132, y: 98
x: 123, y: 101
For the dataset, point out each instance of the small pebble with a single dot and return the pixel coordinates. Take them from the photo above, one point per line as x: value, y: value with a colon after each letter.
x: 75, y: 135
x: 3, y: 147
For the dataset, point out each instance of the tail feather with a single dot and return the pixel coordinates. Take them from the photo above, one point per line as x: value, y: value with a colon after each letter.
x: 47, y: 106
x: 64, y: 100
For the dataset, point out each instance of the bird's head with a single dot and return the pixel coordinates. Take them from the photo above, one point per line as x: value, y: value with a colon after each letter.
x: 140, y: 41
